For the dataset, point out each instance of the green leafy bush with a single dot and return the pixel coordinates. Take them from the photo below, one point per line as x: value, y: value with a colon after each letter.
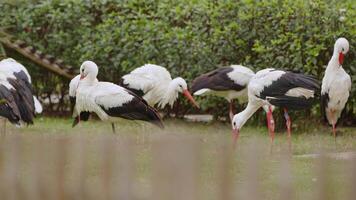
x: 188, y: 37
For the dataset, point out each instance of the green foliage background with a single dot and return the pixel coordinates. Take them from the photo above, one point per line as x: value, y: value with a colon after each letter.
x: 188, y: 37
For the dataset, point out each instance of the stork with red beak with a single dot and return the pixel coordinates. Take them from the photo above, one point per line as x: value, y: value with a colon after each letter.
x: 155, y: 85
x: 272, y: 87
x: 336, y: 85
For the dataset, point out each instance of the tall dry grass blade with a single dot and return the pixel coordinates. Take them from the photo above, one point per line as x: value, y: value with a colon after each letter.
x: 253, y: 154
x: 175, y: 168
x: 224, y: 167
x: 323, y: 190
x: 106, y: 164
x: 76, y: 188
x: 2, y: 167
x: 61, y: 155
x: 124, y: 170
x: 11, y: 168
x: 32, y: 178
x: 285, y: 176
x: 352, y: 184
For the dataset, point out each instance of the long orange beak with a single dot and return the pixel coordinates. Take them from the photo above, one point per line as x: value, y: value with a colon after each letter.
x: 190, y: 98
x: 235, y: 136
x: 341, y: 58
x: 82, y: 76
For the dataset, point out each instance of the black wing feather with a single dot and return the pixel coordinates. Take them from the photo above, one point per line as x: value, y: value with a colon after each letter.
x: 8, y: 106
x: 24, y: 97
x: 277, y: 89
x: 216, y: 80
x: 136, y: 109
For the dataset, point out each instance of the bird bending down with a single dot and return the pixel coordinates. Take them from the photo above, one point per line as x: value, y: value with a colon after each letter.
x: 110, y: 101
x: 227, y: 82
x: 278, y: 88
x: 155, y: 84
x: 336, y: 85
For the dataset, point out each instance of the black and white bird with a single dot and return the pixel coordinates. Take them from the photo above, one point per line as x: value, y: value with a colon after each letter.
x: 279, y: 88
x: 155, y: 84
x: 84, y: 115
x: 336, y: 85
x: 110, y: 101
x: 19, y: 104
x: 227, y: 82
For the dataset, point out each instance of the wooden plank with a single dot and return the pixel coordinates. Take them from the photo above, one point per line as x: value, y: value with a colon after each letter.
x: 53, y: 67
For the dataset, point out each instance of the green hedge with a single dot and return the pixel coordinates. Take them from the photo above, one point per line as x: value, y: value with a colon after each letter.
x: 188, y: 37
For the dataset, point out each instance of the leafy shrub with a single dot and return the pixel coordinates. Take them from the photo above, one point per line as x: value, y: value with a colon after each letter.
x: 188, y: 37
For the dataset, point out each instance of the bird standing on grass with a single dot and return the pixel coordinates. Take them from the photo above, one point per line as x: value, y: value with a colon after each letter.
x: 336, y: 85
x: 155, y: 84
x: 110, y: 101
x: 279, y: 88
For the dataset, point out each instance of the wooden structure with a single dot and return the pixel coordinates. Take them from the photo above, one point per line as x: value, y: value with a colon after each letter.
x: 41, y: 59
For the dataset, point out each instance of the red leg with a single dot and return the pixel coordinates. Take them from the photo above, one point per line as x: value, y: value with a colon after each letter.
x: 289, y: 131
x: 288, y: 122
x: 333, y: 123
x: 334, y: 129
x: 270, y: 123
x: 231, y: 113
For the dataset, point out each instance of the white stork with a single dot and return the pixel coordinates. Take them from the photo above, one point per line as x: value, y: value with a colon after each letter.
x: 278, y: 88
x: 154, y: 83
x: 83, y: 116
x: 227, y: 82
x: 110, y: 101
x: 12, y: 66
x: 19, y: 104
x: 336, y: 84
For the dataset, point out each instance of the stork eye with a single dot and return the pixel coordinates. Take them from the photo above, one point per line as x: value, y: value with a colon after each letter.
x: 343, y: 49
x: 234, y: 123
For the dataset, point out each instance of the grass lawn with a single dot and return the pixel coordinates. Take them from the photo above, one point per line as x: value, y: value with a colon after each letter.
x: 253, y: 147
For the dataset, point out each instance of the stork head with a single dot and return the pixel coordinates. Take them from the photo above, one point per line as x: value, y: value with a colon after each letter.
x: 237, y: 122
x: 341, y: 48
x: 88, y: 70
x: 180, y: 85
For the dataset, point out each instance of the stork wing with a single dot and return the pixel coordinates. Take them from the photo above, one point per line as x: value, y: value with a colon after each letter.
x: 109, y: 95
x: 138, y: 81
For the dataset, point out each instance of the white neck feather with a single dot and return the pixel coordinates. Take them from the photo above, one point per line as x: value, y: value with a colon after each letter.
x: 248, y: 112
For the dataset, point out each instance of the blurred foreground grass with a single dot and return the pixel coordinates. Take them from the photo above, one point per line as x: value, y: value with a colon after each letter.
x: 212, y: 139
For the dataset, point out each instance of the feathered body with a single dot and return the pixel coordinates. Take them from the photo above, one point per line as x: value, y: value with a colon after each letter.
x: 227, y: 82
x: 336, y: 84
x: 110, y: 101
x: 155, y: 84
x: 17, y: 90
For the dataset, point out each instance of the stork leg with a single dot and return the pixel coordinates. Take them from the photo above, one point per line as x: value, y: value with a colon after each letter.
x: 113, y: 128
x: 3, y: 133
x: 231, y: 112
x: 288, y: 124
x: 333, y: 123
x: 270, y: 123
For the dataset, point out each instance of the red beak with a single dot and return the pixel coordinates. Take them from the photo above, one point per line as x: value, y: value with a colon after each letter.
x: 341, y: 58
x: 82, y: 76
x: 190, y: 98
x: 235, y: 136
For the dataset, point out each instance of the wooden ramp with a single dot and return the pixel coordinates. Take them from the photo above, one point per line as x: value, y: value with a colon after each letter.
x: 44, y: 60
